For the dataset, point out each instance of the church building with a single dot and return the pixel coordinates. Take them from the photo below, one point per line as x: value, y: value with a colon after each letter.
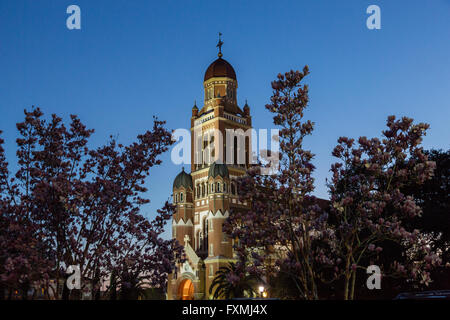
x: 205, y: 196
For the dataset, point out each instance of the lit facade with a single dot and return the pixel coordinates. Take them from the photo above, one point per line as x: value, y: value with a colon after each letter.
x: 205, y: 196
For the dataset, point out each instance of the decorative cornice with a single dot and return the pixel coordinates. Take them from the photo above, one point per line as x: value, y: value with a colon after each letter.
x: 182, y: 223
x: 219, y: 259
x: 218, y: 215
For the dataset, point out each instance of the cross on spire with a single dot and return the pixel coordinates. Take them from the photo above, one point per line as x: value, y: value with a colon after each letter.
x: 219, y: 45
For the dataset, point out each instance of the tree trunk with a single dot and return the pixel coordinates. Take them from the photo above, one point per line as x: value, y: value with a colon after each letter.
x: 65, y: 290
x: 348, y: 274
x: 347, y: 280
x: 352, y: 293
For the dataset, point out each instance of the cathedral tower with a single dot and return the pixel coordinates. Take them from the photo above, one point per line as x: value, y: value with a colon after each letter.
x: 205, y: 197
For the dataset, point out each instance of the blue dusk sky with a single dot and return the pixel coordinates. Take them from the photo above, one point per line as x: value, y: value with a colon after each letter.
x: 135, y: 59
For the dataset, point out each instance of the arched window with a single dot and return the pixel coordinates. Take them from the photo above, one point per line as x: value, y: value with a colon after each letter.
x: 212, y: 187
x: 218, y: 187
x: 181, y: 197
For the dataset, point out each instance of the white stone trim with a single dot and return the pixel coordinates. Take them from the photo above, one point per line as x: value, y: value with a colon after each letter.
x: 182, y: 223
x: 218, y: 215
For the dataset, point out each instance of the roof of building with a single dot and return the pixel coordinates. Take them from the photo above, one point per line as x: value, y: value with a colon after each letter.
x: 183, y: 179
x: 220, y: 68
x: 218, y: 169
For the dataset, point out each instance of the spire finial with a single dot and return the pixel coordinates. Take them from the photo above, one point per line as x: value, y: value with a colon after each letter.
x: 219, y: 45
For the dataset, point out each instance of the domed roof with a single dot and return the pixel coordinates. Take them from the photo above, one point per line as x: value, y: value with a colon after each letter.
x: 218, y: 169
x: 220, y: 68
x: 183, y: 179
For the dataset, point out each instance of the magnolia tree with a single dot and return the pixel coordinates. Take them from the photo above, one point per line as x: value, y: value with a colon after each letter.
x: 433, y: 197
x: 368, y: 208
x: 24, y: 258
x: 76, y: 206
x: 284, y: 231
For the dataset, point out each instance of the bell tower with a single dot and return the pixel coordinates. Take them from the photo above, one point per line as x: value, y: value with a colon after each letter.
x: 209, y: 191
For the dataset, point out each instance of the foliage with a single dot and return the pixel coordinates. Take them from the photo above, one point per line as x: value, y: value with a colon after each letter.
x: 285, y: 226
x: 287, y: 232
x: 368, y: 208
x: 78, y: 206
x: 232, y: 282
x: 433, y: 198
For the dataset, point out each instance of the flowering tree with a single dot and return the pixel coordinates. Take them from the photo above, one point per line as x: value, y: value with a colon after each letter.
x: 23, y: 256
x: 145, y: 260
x: 433, y: 197
x: 84, y: 204
x: 285, y: 226
x: 368, y: 206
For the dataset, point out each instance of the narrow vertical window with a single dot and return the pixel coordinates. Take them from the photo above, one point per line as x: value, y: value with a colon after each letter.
x: 235, y: 151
